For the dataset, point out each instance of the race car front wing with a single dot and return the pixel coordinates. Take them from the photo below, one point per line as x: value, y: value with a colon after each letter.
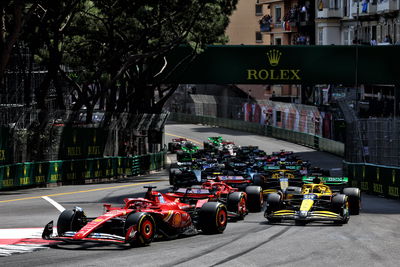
x: 305, y: 216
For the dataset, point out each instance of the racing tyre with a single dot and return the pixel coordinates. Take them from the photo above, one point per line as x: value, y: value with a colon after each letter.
x: 255, y: 198
x: 145, y: 228
x: 213, y: 218
x: 237, y: 203
x: 273, y: 204
x: 354, y: 195
x: 258, y: 180
x: 340, y: 205
x: 70, y: 220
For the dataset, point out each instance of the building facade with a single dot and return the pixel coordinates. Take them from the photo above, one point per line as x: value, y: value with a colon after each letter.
x: 346, y: 22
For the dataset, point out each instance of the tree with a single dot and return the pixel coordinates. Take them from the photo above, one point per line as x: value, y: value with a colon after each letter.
x: 13, y: 15
x: 120, y: 48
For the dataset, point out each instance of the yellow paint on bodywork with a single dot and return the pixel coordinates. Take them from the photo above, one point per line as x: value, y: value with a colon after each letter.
x: 306, y: 204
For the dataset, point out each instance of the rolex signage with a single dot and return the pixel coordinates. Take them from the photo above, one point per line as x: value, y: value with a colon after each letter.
x: 273, y: 73
x: 267, y: 64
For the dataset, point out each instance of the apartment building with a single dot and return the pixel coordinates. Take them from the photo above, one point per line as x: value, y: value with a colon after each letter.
x: 288, y: 22
x: 244, y: 26
x: 346, y: 22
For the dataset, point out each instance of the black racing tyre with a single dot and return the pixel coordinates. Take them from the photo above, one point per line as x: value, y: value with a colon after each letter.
x: 145, y: 228
x: 354, y: 195
x: 172, y: 173
x: 255, y: 198
x: 340, y: 205
x: 213, y: 218
x: 273, y: 203
x: 236, y: 202
x: 258, y: 180
x: 70, y: 220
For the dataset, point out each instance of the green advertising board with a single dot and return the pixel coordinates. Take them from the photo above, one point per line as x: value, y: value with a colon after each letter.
x: 5, y: 152
x: 261, y: 64
x: 78, y: 143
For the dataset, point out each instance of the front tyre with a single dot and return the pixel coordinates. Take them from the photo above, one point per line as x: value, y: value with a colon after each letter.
x: 144, y: 225
x: 255, y: 198
x: 340, y: 205
x: 213, y: 218
x: 70, y: 220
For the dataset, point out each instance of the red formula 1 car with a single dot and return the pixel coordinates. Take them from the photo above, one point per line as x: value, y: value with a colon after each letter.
x: 235, y: 201
x: 255, y: 199
x: 140, y: 221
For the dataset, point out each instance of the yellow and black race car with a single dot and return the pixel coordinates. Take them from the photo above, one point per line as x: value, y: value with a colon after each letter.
x: 312, y: 202
x: 279, y: 181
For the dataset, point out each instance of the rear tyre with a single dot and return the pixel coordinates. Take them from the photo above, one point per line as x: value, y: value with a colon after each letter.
x: 340, y: 205
x: 213, y: 218
x: 236, y: 202
x: 255, y: 199
x: 273, y: 204
x: 145, y: 228
x: 354, y: 195
x: 70, y: 220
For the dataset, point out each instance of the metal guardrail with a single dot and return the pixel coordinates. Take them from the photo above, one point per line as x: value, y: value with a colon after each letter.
x: 77, y: 171
x: 304, y: 139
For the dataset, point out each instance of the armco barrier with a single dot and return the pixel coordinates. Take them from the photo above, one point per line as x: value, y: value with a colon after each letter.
x: 305, y: 139
x: 375, y: 179
x: 77, y: 171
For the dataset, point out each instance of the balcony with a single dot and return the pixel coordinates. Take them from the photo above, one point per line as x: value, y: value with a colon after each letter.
x: 385, y: 6
x: 330, y: 13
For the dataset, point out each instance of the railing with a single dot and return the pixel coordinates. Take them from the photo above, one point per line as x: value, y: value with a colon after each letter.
x: 80, y: 171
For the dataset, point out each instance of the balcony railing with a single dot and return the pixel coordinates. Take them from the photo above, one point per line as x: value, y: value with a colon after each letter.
x: 330, y: 13
x: 387, y: 5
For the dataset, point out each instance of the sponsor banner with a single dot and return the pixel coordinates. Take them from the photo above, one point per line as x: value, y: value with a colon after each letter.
x: 79, y: 143
x: 5, y: 151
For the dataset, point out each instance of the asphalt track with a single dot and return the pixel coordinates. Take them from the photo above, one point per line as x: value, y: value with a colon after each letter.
x: 371, y: 238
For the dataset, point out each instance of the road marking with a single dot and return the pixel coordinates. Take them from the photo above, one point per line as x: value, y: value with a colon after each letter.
x: 77, y: 192
x: 54, y: 203
x: 194, y: 141
x: 22, y: 240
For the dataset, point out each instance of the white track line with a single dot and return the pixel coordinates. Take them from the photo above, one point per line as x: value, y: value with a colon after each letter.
x: 54, y: 203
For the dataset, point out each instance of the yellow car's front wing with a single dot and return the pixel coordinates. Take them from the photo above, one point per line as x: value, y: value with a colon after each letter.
x: 309, y: 216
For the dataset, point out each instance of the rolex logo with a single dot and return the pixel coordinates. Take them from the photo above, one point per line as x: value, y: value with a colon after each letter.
x: 274, y: 57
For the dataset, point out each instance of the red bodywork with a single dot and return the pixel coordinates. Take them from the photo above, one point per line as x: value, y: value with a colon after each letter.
x: 164, y: 208
x: 209, y: 191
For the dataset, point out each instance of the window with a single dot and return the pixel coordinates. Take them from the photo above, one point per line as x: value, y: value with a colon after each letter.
x: 278, y: 41
x: 320, y: 36
x: 259, y: 10
x: 346, y: 38
x: 278, y: 14
x: 259, y: 37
